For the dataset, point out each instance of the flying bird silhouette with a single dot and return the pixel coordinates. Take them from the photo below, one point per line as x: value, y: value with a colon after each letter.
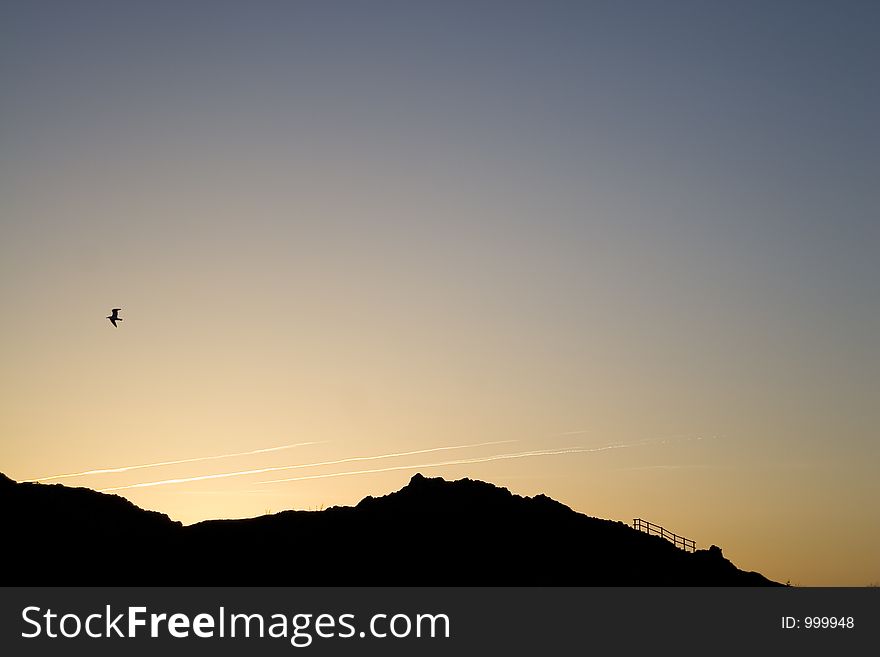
x: 114, y: 316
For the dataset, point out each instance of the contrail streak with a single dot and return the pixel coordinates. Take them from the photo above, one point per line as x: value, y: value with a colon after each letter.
x: 242, y: 473
x: 497, y: 457
x: 160, y: 463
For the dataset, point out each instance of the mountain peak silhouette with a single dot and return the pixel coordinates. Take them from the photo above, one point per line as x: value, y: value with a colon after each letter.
x: 430, y: 532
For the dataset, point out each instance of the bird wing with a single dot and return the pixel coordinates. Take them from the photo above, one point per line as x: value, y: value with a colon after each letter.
x: 112, y: 320
x: 115, y: 312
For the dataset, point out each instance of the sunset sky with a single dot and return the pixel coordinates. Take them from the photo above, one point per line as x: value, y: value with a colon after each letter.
x: 647, y: 231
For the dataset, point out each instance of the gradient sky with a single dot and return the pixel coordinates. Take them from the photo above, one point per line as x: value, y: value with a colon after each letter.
x: 392, y: 226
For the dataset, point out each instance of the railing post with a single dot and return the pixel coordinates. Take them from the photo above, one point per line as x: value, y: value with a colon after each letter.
x: 680, y: 542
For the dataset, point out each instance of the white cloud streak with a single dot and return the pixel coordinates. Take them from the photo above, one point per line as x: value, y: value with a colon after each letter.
x: 157, y: 464
x: 242, y: 473
x: 485, y: 459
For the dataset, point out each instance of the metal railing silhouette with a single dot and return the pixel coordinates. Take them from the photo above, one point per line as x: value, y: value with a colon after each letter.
x: 678, y: 541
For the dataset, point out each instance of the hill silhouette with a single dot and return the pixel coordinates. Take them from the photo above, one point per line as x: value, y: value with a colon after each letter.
x: 431, y: 532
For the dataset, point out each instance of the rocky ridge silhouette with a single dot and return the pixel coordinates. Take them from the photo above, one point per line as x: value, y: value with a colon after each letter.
x: 432, y: 532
